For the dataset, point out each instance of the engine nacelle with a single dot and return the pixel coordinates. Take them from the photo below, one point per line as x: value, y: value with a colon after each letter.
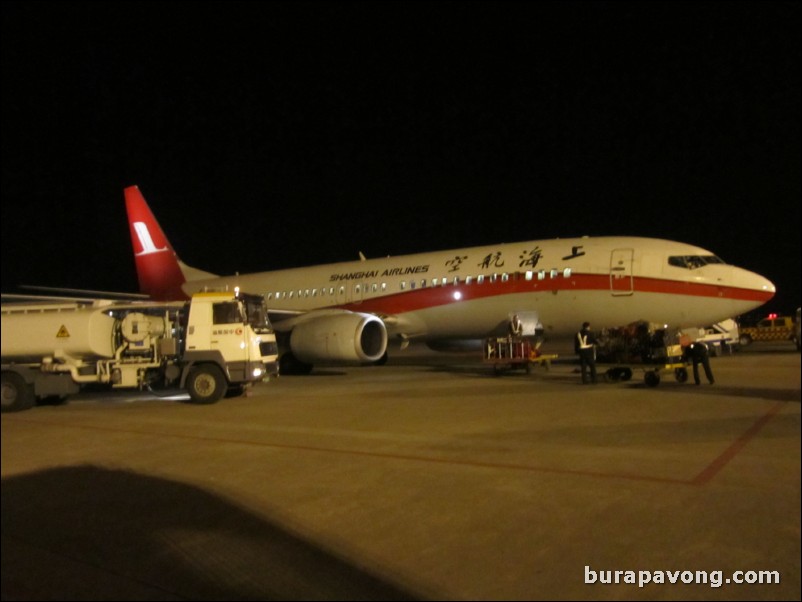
x: 346, y: 336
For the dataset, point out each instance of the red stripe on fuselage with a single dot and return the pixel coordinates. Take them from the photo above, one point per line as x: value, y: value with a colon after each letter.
x: 435, y: 296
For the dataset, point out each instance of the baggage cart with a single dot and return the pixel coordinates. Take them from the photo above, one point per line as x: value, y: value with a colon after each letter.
x: 668, y: 359
x: 511, y: 353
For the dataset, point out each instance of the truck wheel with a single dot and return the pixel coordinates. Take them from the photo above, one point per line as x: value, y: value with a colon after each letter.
x: 17, y: 395
x: 652, y: 378
x: 681, y: 374
x: 744, y: 340
x: 206, y: 384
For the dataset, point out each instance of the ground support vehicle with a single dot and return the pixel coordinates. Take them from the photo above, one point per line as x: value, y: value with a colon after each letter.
x: 672, y: 361
x: 719, y: 337
x: 511, y: 353
x: 640, y: 346
x: 216, y: 344
x: 772, y: 328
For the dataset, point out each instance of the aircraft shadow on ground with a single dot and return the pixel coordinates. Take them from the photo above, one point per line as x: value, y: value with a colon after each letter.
x: 91, y: 533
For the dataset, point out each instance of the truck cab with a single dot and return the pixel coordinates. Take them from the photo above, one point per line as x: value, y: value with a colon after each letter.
x: 232, y: 333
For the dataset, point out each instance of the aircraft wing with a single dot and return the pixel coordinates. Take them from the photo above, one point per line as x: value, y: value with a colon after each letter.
x: 78, y: 296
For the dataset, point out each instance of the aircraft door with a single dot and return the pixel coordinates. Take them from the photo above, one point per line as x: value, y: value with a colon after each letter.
x: 621, y: 272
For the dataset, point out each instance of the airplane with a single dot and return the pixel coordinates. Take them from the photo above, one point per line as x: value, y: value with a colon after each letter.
x: 350, y: 311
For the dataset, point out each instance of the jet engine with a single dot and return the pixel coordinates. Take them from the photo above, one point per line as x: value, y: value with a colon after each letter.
x: 342, y: 336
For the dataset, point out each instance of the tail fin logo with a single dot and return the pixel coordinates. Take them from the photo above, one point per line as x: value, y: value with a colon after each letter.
x: 146, y: 240
x: 157, y: 267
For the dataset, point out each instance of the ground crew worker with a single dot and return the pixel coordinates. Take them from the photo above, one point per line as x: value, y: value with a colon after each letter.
x: 584, y: 345
x: 697, y: 352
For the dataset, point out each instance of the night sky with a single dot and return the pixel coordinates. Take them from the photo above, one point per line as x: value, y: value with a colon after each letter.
x: 274, y: 135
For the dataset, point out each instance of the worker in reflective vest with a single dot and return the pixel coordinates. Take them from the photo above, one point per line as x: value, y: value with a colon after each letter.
x: 585, y: 347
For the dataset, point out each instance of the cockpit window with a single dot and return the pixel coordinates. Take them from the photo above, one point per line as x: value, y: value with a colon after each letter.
x: 692, y: 262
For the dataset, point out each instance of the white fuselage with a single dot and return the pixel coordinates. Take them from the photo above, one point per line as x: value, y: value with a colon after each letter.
x: 472, y: 292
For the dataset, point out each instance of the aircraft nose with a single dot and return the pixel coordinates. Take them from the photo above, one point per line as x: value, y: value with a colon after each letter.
x: 761, y: 285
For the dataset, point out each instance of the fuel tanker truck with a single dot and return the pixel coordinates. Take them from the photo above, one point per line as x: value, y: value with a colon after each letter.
x: 214, y: 345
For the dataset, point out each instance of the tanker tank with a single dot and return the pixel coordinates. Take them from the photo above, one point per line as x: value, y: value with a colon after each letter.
x: 30, y: 333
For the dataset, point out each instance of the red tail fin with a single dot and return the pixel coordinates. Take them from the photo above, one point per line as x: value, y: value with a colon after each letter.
x: 156, y: 263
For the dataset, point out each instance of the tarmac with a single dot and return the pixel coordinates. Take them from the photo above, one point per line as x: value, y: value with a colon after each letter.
x: 428, y: 478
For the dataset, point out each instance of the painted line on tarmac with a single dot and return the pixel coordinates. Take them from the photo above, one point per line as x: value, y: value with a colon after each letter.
x: 704, y: 477
x: 724, y: 458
